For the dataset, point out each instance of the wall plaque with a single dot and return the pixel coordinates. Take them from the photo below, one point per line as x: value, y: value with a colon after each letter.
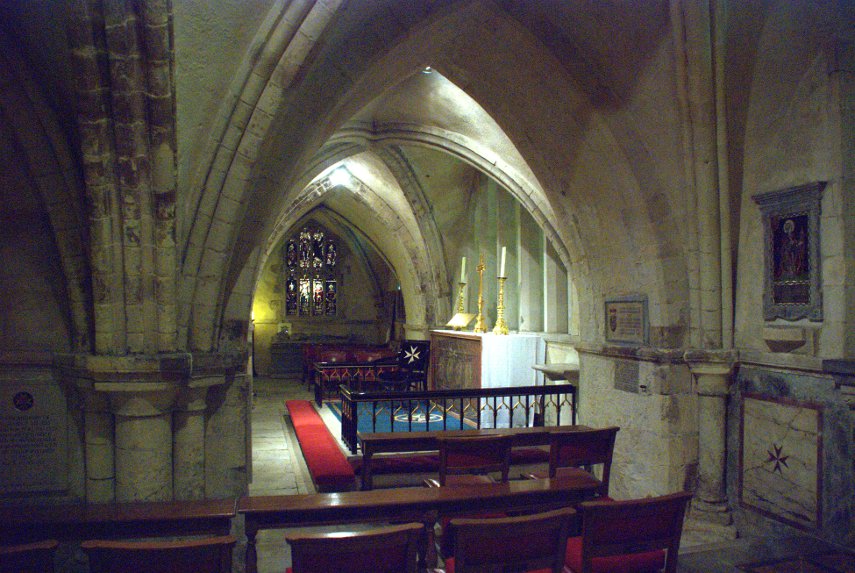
x: 33, y: 439
x: 626, y: 375
x: 792, y: 276
x: 626, y: 320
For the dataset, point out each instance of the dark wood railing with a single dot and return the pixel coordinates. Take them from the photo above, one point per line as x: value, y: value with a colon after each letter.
x: 326, y: 377
x: 467, y: 409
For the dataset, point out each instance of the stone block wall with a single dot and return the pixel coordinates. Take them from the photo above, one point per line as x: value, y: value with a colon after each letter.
x: 656, y: 451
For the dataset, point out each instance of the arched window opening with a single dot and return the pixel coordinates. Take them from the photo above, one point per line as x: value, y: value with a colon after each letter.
x: 312, y: 287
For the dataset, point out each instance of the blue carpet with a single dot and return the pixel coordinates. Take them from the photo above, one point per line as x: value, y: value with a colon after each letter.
x: 401, y: 419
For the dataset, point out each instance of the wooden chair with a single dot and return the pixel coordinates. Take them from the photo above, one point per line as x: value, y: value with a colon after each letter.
x: 636, y: 536
x: 209, y: 555
x: 525, y: 543
x: 411, y: 374
x: 28, y: 558
x: 575, y: 452
x: 470, y: 460
x: 390, y: 549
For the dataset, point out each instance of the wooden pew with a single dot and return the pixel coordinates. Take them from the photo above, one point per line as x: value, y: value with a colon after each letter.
x: 23, y: 523
x: 412, y: 442
x: 425, y: 505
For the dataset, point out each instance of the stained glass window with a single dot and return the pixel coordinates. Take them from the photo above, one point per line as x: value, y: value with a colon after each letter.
x: 305, y: 297
x: 311, y: 288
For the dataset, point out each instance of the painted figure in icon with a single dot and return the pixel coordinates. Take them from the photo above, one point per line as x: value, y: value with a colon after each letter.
x: 792, y: 251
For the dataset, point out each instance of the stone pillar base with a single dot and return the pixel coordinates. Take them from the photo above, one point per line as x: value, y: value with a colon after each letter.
x: 713, y: 521
x: 715, y: 512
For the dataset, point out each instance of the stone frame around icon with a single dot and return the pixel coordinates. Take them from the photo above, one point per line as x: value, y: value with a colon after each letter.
x: 792, y: 276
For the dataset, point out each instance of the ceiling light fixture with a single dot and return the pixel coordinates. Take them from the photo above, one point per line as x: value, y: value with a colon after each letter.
x: 340, y: 176
x: 427, y: 70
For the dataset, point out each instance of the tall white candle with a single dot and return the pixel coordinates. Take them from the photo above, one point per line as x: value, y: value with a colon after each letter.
x: 463, y: 270
x: 502, y: 268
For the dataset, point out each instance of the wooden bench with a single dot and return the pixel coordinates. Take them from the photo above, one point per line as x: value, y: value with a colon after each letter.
x: 417, y: 445
x: 21, y: 524
x: 424, y: 505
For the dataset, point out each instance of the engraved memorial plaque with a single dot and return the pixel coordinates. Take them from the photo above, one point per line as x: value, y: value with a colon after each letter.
x: 626, y: 320
x: 33, y: 440
x: 626, y: 376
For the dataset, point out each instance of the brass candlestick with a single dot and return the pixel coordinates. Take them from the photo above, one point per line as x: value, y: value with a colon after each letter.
x: 461, y: 308
x: 501, y: 326
x: 479, y: 320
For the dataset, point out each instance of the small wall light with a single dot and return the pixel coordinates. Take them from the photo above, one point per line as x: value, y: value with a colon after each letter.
x: 340, y: 176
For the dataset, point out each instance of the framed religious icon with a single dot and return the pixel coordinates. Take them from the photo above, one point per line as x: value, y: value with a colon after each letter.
x: 626, y: 320
x: 791, y: 261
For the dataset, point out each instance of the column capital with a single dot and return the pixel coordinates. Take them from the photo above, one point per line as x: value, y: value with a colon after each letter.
x: 153, y: 378
x: 714, y: 362
x: 712, y: 369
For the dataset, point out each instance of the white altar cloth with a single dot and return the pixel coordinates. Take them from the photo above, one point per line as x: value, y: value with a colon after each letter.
x: 506, y: 361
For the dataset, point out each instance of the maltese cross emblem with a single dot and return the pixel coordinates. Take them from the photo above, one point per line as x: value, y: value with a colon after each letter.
x: 412, y: 354
x: 776, y: 457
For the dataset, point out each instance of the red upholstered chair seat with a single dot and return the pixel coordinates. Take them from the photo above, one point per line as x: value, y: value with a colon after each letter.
x: 647, y: 562
x: 631, y: 536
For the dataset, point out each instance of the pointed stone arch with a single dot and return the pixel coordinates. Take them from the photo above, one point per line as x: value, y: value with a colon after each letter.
x: 54, y: 174
x: 572, y: 151
x: 402, y: 244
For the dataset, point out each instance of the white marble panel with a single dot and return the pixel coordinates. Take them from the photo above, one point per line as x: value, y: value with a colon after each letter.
x: 781, y: 460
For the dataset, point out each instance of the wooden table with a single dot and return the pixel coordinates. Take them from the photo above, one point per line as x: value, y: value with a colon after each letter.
x: 398, y: 442
x: 24, y: 523
x: 419, y: 504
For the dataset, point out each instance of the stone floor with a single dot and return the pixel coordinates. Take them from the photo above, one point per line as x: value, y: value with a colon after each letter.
x: 279, y: 469
x: 277, y: 465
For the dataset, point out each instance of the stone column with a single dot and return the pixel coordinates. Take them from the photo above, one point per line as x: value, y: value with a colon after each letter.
x: 143, y: 439
x: 188, y: 439
x: 531, y: 264
x: 98, y: 439
x: 710, y: 509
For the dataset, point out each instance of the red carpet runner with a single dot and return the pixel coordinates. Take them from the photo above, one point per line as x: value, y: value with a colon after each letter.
x: 329, y: 467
